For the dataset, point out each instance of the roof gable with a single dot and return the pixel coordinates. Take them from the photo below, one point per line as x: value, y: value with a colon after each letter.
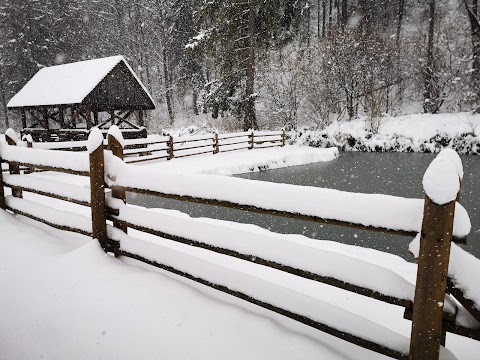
x: 67, y: 84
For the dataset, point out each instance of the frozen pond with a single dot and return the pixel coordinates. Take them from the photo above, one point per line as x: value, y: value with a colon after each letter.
x: 385, y: 173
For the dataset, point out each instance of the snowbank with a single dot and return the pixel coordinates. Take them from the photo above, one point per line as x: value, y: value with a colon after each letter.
x: 244, y: 161
x: 410, y: 133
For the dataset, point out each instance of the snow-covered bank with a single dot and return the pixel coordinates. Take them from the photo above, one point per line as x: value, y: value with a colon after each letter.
x: 78, y: 303
x: 243, y: 161
x: 410, y: 133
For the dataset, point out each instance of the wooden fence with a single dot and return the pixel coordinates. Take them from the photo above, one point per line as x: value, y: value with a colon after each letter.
x: 169, y: 147
x: 430, y: 322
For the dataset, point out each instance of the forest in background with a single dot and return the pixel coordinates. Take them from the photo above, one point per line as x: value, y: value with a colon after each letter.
x: 258, y: 63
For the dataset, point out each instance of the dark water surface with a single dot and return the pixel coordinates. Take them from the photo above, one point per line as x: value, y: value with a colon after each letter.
x: 397, y: 174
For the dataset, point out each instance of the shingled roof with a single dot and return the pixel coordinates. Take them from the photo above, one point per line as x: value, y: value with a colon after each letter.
x: 101, y: 84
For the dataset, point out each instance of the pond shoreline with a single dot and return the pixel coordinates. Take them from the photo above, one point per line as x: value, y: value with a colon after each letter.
x: 466, y: 144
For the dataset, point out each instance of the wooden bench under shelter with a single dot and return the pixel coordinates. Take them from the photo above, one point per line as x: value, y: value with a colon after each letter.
x: 63, y: 102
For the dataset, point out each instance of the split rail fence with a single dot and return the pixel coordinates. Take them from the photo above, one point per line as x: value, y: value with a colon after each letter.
x: 111, y: 218
x: 170, y: 147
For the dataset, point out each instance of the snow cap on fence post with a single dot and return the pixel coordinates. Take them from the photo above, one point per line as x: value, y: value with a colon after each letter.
x: 441, y: 180
x: 117, y: 134
x: 452, y: 155
x: 95, y: 139
x: 11, y: 134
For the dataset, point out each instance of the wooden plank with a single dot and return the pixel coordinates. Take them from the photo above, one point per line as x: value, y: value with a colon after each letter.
x: 56, y: 226
x: 241, y: 148
x: 235, y: 143
x: 49, y: 168
x: 48, y: 194
x: 283, y: 137
x: 451, y: 327
x: 258, y: 210
x: 274, y: 265
x: 117, y: 149
x: 187, y: 139
x: 198, y: 153
x: 193, y: 147
x: 97, y: 190
x: 435, y: 242
x: 468, y: 304
x: 140, y: 159
x: 367, y: 344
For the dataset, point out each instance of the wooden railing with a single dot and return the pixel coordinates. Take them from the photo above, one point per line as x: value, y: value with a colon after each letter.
x: 110, y: 206
x: 169, y: 147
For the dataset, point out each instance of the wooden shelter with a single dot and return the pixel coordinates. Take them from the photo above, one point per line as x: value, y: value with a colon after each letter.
x: 64, y: 102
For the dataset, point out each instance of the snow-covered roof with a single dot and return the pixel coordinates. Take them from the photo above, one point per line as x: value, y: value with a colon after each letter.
x: 68, y: 83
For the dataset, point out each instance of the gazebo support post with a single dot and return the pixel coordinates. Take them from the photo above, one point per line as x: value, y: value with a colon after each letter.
x: 24, y: 118
x: 88, y: 117
x: 45, y: 118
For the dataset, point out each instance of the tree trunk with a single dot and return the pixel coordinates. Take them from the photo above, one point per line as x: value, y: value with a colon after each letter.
x: 4, y: 100
x: 428, y: 92
x: 324, y: 17
x: 344, y: 12
x: 250, y: 121
x: 475, y: 38
x: 168, y: 87
x: 318, y: 19
x: 330, y: 6
x: 401, y: 8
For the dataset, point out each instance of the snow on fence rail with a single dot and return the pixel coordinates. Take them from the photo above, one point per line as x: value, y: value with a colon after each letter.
x: 169, y: 147
x: 443, y: 218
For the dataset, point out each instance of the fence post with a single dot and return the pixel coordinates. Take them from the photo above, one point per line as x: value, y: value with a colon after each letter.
x: 97, y: 187
x: 14, y: 168
x: 2, y: 191
x: 115, y: 145
x: 28, y: 138
x: 434, y: 256
x: 217, y: 148
x: 170, y: 148
x: 252, y: 140
x: 283, y: 136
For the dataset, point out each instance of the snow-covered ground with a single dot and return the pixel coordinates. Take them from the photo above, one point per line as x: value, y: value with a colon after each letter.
x: 417, y: 132
x: 243, y: 161
x: 76, y: 302
x: 65, y: 298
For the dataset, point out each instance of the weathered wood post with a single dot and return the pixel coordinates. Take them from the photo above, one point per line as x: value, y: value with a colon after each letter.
x: 215, y: 145
x: 252, y: 140
x: 2, y: 191
x: 14, y: 168
x: 283, y: 136
x: 28, y: 138
x: 170, y: 148
x: 24, y: 118
x: 441, y: 185
x: 115, y: 145
x: 141, y: 121
x: 97, y: 186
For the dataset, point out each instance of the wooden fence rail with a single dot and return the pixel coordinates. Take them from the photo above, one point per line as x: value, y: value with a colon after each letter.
x: 430, y: 321
x: 169, y: 147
